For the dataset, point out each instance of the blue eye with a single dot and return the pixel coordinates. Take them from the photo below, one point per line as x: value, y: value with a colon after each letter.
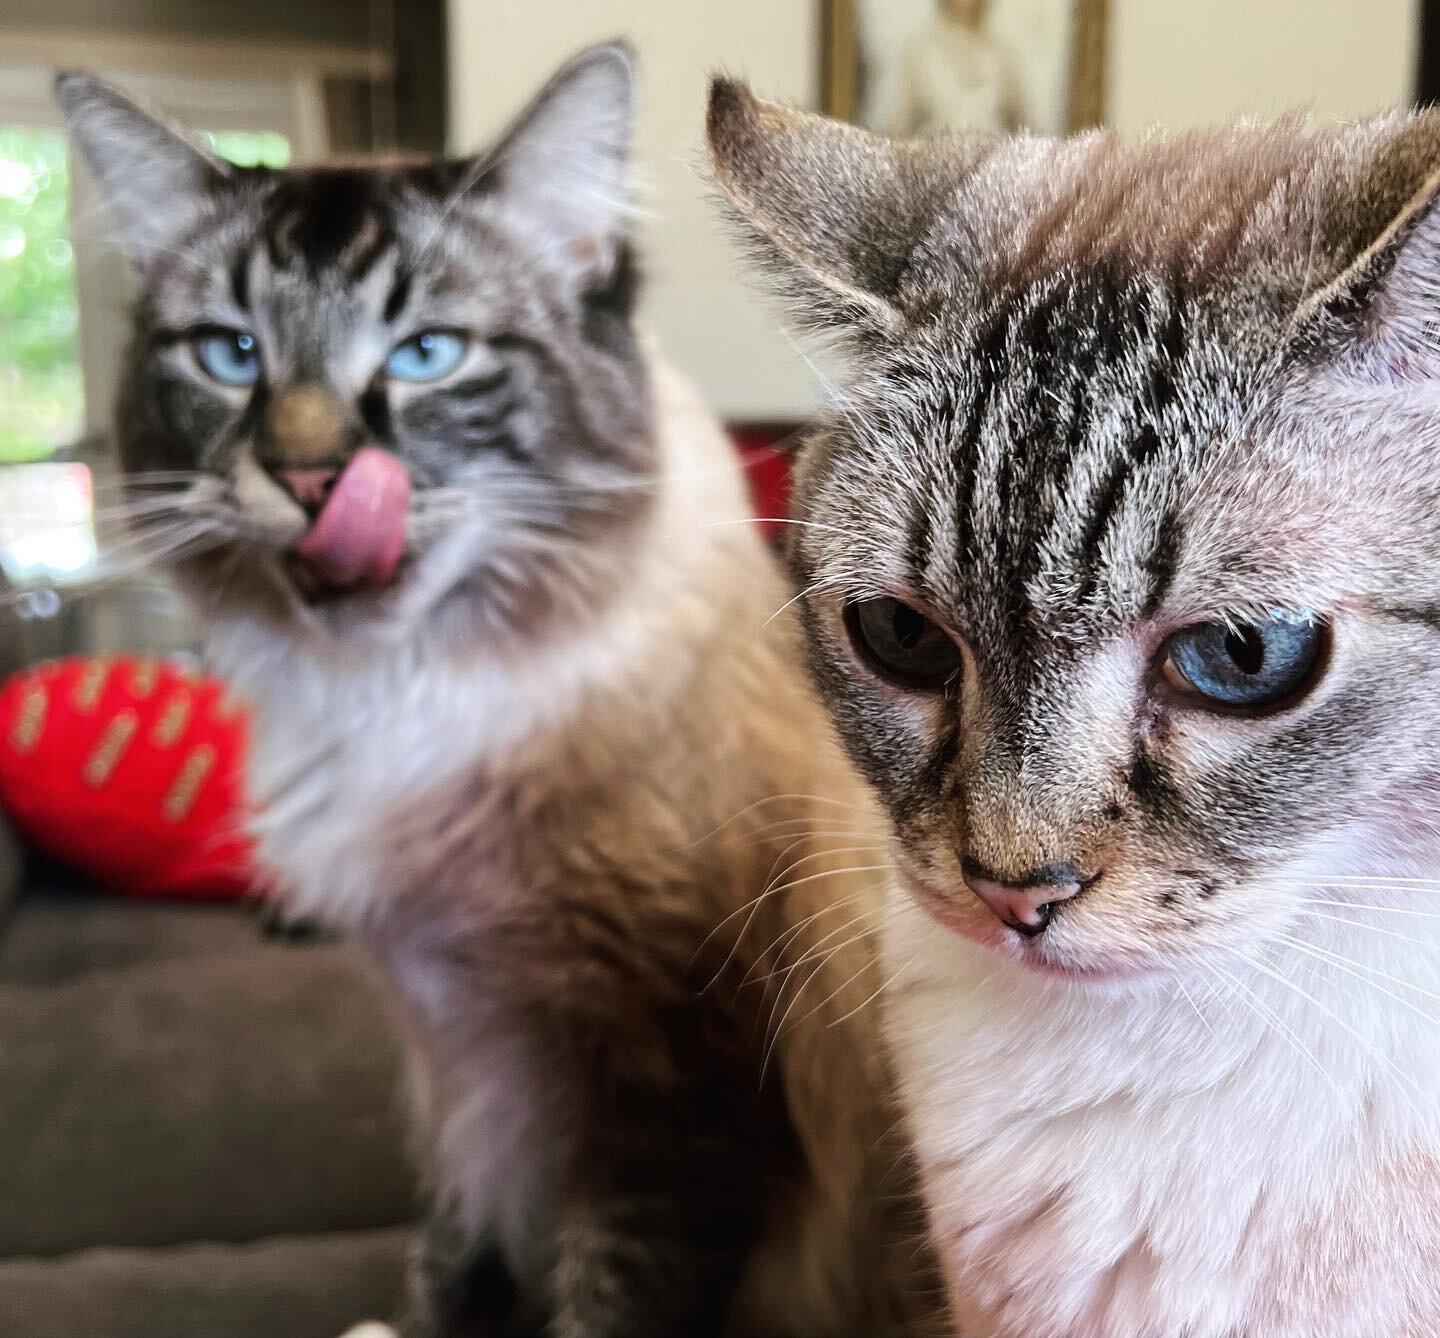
x: 1254, y: 664
x: 232, y: 357
x: 426, y: 357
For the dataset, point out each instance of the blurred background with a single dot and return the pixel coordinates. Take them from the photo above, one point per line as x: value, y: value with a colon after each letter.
x: 198, y: 1128
x: 278, y: 81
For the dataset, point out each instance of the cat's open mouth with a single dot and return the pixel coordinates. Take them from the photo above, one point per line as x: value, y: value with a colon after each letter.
x: 357, y: 541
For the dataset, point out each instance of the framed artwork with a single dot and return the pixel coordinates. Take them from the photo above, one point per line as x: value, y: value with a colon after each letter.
x: 909, y: 67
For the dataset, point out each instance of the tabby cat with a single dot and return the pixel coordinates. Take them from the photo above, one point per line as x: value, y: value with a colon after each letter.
x: 1122, y: 583
x: 484, y: 568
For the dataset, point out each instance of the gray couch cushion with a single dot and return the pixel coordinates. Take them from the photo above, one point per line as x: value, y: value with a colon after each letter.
x: 298, y: 1287
x: 206, y: 1084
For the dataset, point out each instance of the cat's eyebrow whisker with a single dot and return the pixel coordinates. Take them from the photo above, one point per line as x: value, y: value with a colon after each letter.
x: 784, y: 520
x: 814, y: 587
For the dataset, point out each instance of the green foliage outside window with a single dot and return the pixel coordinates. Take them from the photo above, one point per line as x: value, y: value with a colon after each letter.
x: 41, y: 405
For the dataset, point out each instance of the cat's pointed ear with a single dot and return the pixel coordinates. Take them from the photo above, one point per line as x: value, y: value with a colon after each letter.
x: 563, y: 165
x: 1384, y: 308
x: 834, y: 212
x: 153, y: 178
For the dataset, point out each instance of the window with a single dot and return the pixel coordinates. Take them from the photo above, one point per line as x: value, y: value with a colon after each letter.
x: 250, y: 148
x: 41, y: 396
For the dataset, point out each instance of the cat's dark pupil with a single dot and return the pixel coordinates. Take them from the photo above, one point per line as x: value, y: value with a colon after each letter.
x: 909, y: 627
x: 1246, y: 649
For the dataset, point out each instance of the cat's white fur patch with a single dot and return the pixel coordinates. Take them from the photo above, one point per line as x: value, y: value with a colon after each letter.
x: 371, y: 1329
x: 1241, y: 1153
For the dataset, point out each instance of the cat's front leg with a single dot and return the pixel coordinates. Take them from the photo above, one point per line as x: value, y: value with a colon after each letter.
x: 664, y: 1193
x: 459, y: 1287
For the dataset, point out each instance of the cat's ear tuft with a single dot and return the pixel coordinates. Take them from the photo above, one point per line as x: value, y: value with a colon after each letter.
x: 153, y: 178
x: 1382, y: 310
x: 563, y: 165
x: 833, y: 212
x: 801, y: 188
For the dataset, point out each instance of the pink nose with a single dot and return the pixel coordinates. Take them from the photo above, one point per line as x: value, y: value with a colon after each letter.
x: 309, y: 487
x: 1026, y: 904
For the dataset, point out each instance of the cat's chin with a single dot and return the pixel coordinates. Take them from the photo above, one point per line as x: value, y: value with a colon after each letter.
x: 312, y: 588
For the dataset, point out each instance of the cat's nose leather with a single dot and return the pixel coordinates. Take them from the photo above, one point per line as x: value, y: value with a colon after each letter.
x: 1025, y: 904
x: 310, y: 487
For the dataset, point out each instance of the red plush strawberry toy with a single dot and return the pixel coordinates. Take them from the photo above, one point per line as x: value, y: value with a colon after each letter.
x: 130, y: 771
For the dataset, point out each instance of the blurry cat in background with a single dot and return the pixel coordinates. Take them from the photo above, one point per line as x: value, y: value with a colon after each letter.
x: 1122, y: 582
x: 483, y: 567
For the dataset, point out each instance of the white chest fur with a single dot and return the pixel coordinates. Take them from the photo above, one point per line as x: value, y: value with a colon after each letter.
x: 1239, y: 1156
x: 338, y: 748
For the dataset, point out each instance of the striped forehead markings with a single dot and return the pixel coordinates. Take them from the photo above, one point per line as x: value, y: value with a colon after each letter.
x: 1045, y: 351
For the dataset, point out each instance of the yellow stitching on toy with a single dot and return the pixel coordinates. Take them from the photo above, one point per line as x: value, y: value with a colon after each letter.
x: 172, y: 722
x: 91, y: 684
x: 186, y: 789
x: 105, y: 757
x: 29, y: 720
x: 143, y: 680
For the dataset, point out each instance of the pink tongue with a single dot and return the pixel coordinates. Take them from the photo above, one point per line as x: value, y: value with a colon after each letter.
x: 359, y: 536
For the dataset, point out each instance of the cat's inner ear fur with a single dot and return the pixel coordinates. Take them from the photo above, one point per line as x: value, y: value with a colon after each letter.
x: 1384, y: 309
x: 153, y: 178
x: 562, y: 167
x: 834, y: 212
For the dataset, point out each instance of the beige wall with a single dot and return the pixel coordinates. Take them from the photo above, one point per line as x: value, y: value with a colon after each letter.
x: 1192, y: 62
x: 709, y: 321
x: 1173, y: 62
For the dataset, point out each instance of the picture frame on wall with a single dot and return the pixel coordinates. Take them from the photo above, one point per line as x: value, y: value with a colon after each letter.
x: 910, y: 67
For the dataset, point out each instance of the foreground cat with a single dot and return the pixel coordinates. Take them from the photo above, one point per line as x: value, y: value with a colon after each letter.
x: 483, y: 568
x: 1123, y: 581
